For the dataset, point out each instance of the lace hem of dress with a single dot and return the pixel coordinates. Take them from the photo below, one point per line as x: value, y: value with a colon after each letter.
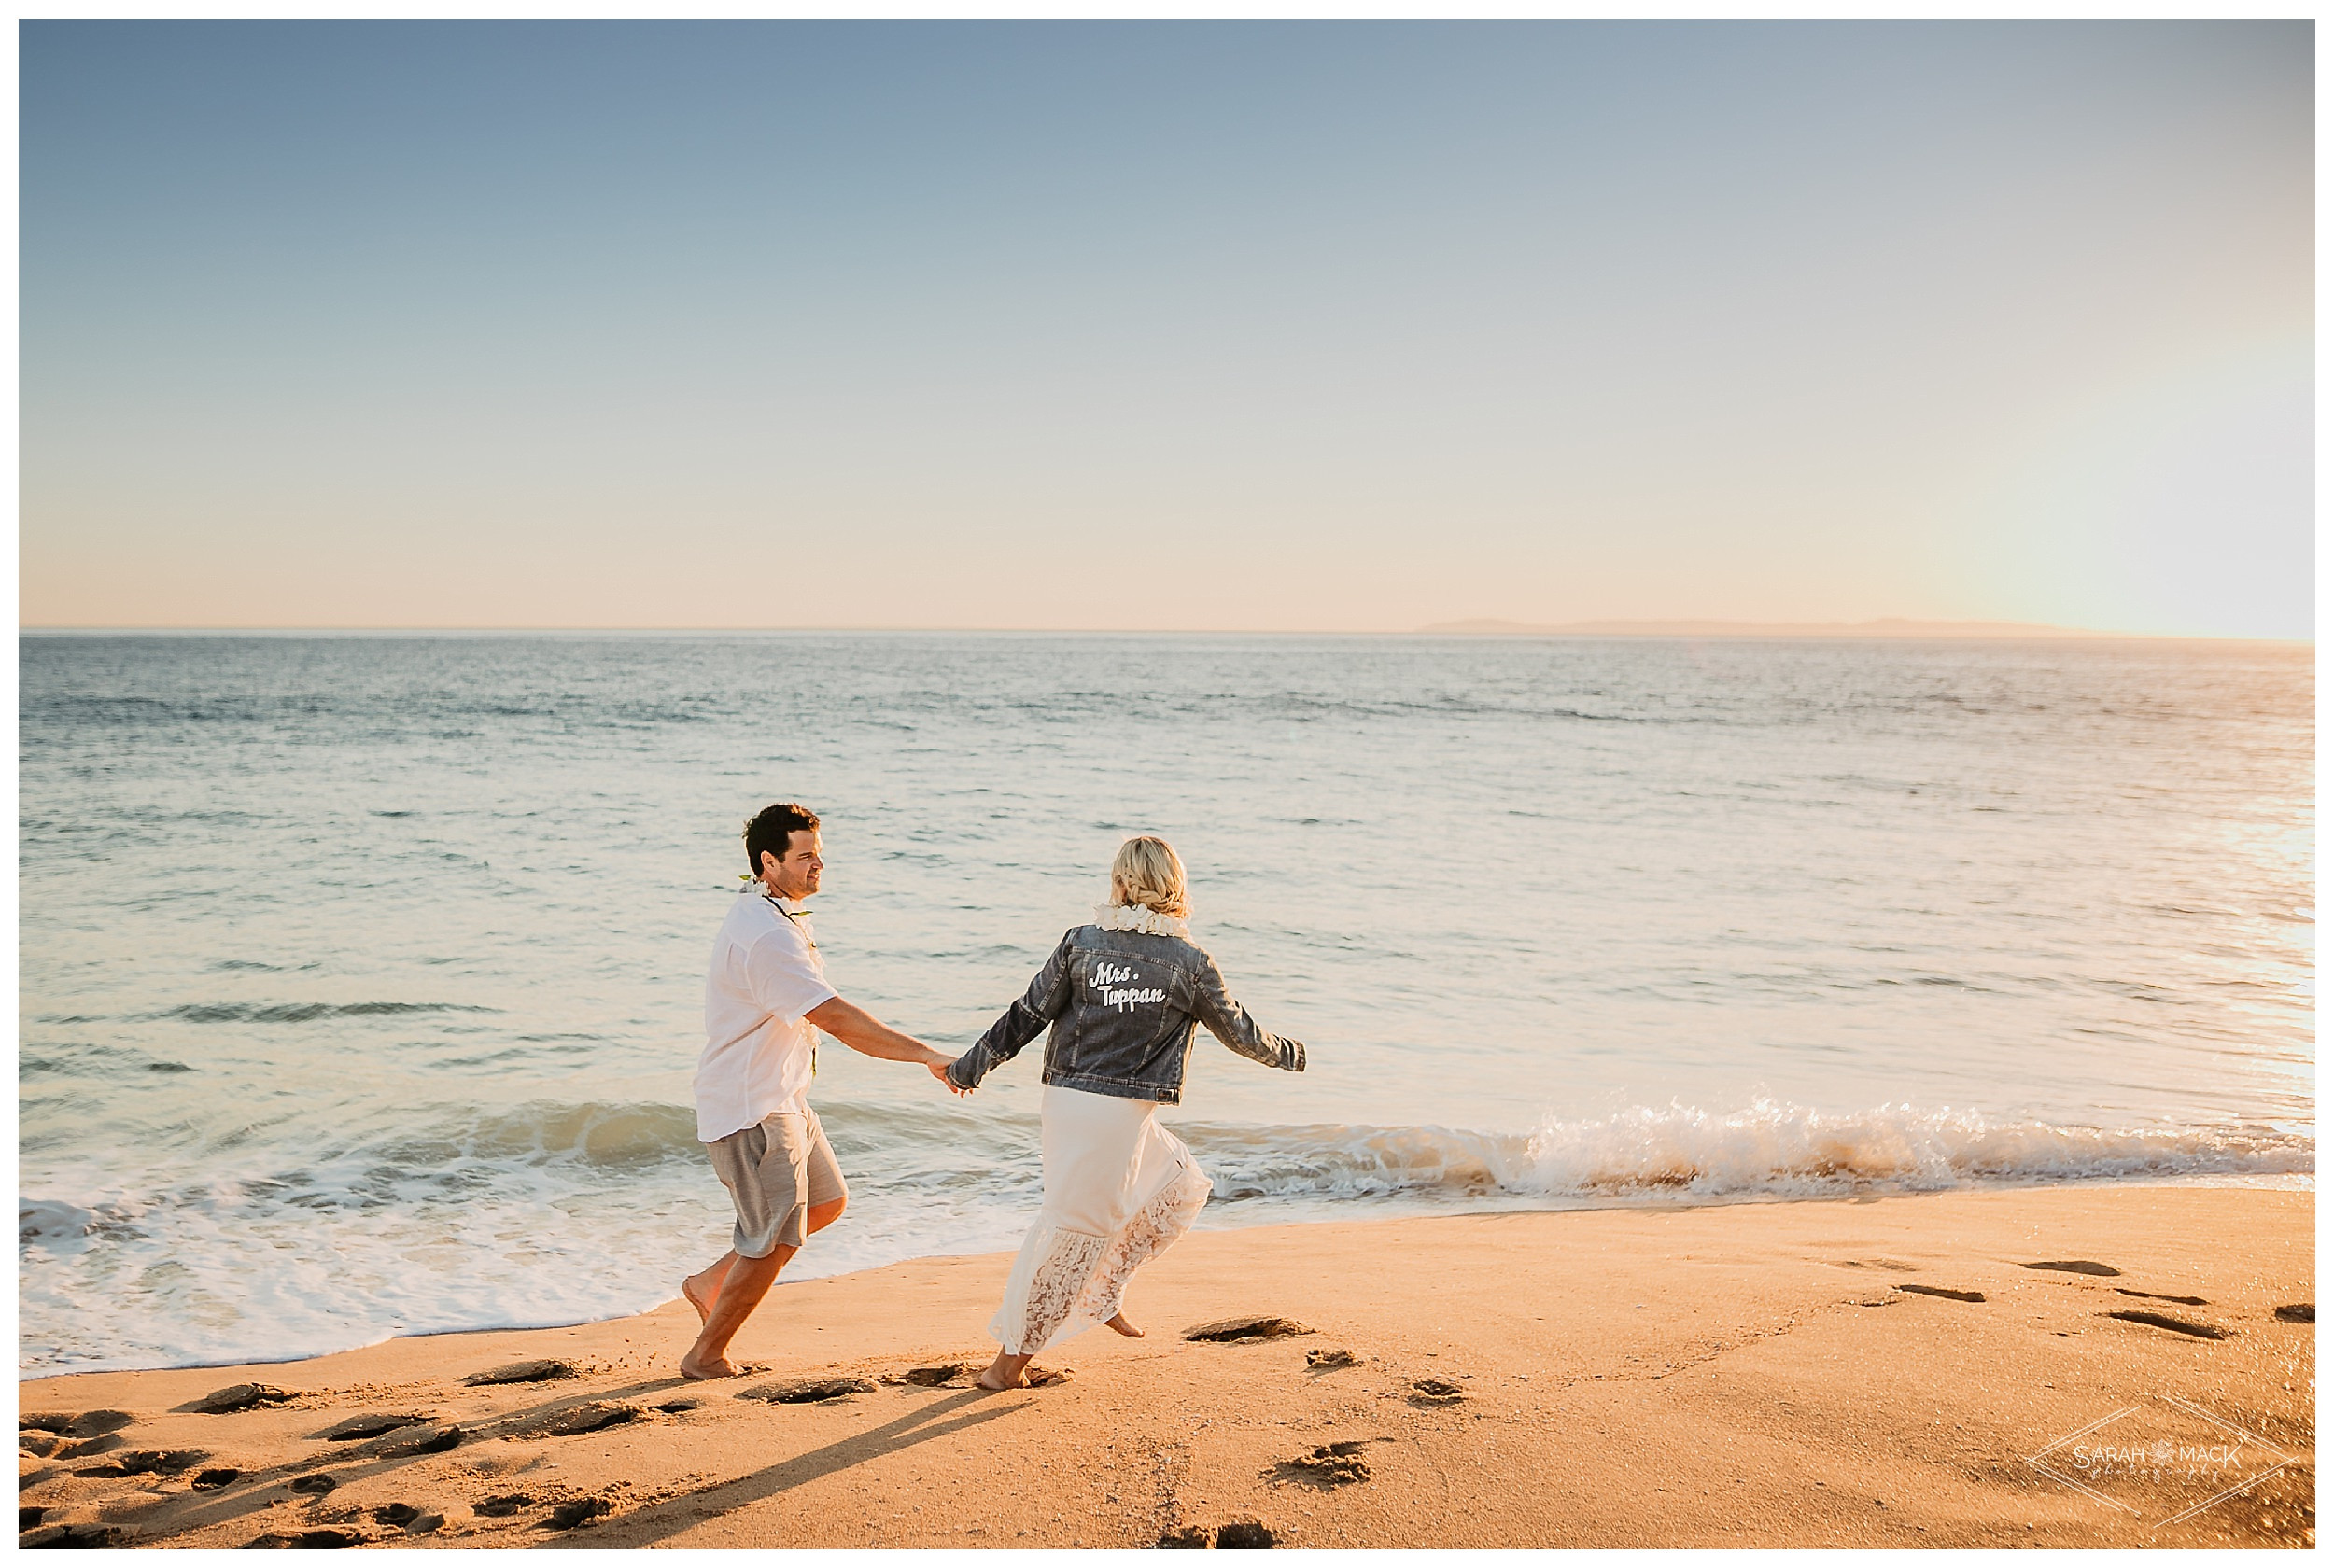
x: 1159, y: 1224
x: 1055, y: 1286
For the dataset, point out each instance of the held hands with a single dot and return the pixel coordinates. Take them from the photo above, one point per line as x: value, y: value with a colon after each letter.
x: 940, y: 1069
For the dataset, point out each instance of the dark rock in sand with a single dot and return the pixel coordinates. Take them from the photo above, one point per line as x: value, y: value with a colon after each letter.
x: 1244, y: 1535
x: 309, y: 1540
x: 1189, y: 1537
x: 1233, y: 1331
x: 97, y: 1537
x: 211, y: 1481
x: 240, y: 1396
x: 567, y: 1515
x: 809, y: 1391
x: 1941, y: 1290
x: 1331, y: 1466
x: 1434, y: 1390
x: 2301, y: 1311
x: 313, y: 1486
x: 371, y: 1426
x: 1328, y: 1361
x: 2079, y: 1266
x: 522, y: 1372
x: 503, y: 1507
x: 2178, y: 1325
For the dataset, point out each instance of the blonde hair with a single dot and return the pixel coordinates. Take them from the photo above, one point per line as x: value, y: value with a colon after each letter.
x: 1148, y: 874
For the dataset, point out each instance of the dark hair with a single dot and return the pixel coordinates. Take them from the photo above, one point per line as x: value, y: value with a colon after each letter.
x: 772, y: 828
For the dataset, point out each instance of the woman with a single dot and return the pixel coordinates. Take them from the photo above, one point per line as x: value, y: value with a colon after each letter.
x: 1122, y: 995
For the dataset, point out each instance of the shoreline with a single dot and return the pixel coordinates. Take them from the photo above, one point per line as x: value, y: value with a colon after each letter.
x: 2293, y: 1182
x: 1866, y: 1371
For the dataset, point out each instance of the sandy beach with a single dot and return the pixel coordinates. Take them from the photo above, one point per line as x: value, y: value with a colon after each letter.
x: 1869, y: 1373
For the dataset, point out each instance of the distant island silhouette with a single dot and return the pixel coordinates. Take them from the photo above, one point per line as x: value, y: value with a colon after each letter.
x: 1890, y: 627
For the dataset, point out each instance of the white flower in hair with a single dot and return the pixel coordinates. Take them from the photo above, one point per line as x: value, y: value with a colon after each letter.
x: 1138, y: 917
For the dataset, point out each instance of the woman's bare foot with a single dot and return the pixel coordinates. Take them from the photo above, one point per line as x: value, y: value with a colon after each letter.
x: 717, y: 1368
x: 1119, y: 1322
x: 1004, y: 1373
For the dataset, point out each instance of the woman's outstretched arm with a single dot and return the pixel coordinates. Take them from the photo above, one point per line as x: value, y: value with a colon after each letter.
x: 1021, y: 1023
x: 1228, y: 1022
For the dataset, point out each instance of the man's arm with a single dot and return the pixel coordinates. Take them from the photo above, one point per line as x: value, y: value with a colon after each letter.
x: 864, y: 1032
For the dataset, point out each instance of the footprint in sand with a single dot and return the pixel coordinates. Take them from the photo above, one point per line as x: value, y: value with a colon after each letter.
x: 809, y: 1390
x: 1328, y: 1361
x: 1332, y: 1464
x: 1434, y: 1390
x: 211, y: 1481
x: 1941, y: 1290
x: 147, y: 1461
x: 99, y: 1536
x: 2177, y: 1325
x: 405, y: 1515
x: 567, y: 1515
x: 413, y: 1441
x: 90, y: 1423
x: 313, y: 1486
x: 2078, y: 1266
x: 84, y: 1448
x: 523, y: 1372
x: 370, y: 1425
x: 240, y: 1396
x: 1238, y: 1535
x: 503, y: 1506
x: 576, y: 1419
x: 2299, y: 1312
x: 1241, y: 1331
x: 312, y: 1540
x: 2177, y: 1300
x: 929, y: 1376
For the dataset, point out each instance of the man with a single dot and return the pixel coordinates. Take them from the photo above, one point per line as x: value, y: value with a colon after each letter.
x: 766, y: 997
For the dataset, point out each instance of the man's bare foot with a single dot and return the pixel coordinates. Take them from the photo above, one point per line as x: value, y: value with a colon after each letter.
x: 1119, y: 1322
x: 715, y: 1369
x: 704, y: 1307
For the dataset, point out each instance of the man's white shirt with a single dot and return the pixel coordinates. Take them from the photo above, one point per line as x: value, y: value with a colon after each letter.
x: 766, y: 974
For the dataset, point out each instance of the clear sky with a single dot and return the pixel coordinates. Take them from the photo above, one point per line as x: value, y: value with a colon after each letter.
x: 1166, y: 326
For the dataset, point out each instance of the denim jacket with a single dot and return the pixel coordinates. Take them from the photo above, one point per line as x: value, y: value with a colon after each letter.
x: 1123, y: 1005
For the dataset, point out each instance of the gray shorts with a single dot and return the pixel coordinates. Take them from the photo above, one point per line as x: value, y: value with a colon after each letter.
x: 775, y: 1170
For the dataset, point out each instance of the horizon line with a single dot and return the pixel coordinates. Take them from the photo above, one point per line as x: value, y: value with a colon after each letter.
x: 1891, y: 628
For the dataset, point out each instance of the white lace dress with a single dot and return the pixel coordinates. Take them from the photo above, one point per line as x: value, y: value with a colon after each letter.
x: 1120, y: 1189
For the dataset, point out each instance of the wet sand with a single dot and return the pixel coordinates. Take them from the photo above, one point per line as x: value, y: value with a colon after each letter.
x: 1870, y: 1373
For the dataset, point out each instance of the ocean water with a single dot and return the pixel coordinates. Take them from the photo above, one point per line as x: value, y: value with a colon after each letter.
x: 360, y: 976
